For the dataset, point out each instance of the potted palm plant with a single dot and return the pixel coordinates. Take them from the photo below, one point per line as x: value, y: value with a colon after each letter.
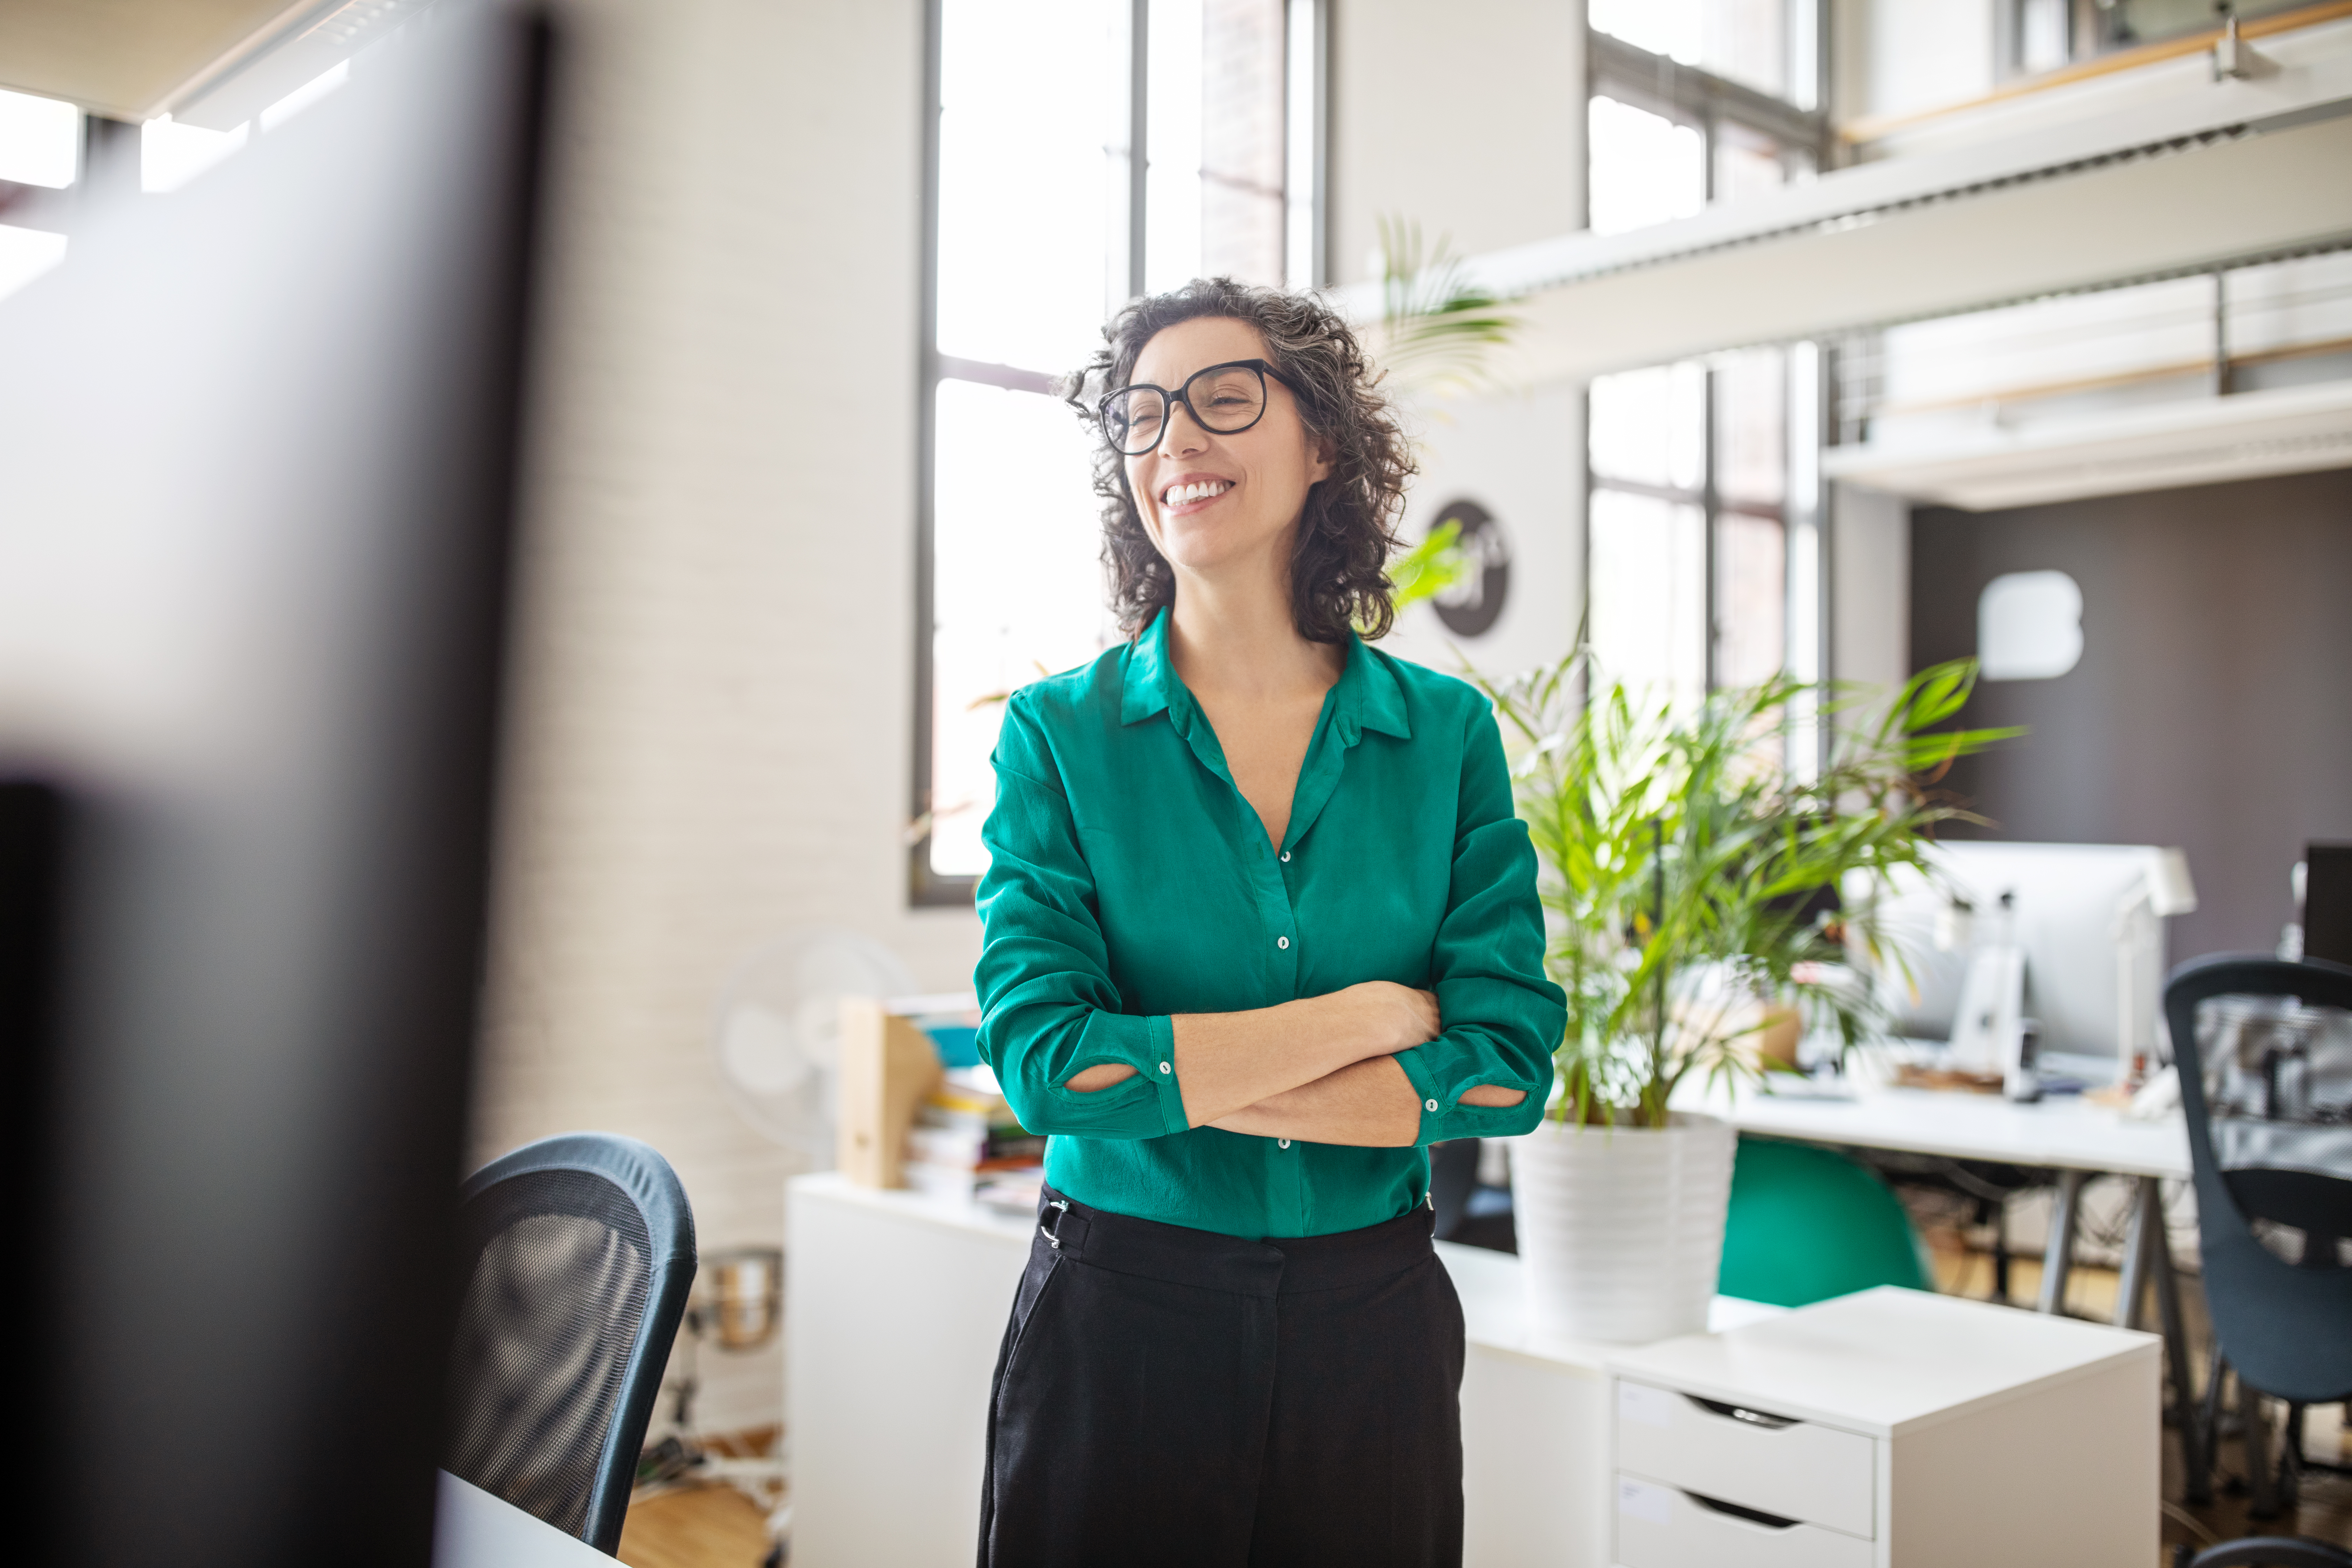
x: 1701, y: 892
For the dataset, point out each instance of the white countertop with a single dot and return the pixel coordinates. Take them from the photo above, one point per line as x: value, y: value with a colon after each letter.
x: 1883, y: 1361
x: 2066, y: 1131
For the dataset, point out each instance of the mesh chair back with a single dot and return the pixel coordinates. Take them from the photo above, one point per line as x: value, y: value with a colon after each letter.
x: 579, y: 1252
x: 2264, y: 1052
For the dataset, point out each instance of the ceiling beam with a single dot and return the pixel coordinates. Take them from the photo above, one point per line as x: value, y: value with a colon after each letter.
x: 2150, y: 216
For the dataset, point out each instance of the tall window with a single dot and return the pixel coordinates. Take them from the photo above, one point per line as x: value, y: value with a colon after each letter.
x: 1086, y: 151
x: 1703, y: 531
x: 1697, y: 101
x: 1703, y: 473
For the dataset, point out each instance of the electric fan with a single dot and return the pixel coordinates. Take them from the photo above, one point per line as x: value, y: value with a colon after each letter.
x: 777, y: 1033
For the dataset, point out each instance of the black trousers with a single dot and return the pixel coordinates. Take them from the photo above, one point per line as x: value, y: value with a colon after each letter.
x: 1167, y: 1395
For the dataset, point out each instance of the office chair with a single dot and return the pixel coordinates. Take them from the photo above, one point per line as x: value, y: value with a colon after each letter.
x: 2264, y: 1552
x: 579, y: 1253
x: 2266, y: 1087
x: 1806, y: 1224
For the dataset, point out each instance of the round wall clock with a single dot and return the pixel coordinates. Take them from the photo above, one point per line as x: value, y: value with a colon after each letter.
x: 1471, y: 607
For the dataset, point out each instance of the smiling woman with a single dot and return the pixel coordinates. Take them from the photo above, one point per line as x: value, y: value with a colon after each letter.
x: 1259, y: 924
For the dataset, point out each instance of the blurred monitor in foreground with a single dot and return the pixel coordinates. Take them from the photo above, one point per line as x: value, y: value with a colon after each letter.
x: 257, y: 448
x: 2089, y: 918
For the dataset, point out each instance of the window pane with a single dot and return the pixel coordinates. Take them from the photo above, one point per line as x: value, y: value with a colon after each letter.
x: 1644, y: 168
x: 1214, y: 198
x: 1649, y: 592
x: 1172, y: 245
x: 1650, y: 426
x: 1744, y: 40
x: 40, y: 140
x: 1032, y: 103
x: 1241, y: 139
x: 1751, y: 426
x: 1016, y: 587
x: 2045, y: 39
x: 1751, y: 579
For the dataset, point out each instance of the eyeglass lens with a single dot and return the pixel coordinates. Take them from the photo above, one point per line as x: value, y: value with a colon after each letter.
x: 1225, y: 399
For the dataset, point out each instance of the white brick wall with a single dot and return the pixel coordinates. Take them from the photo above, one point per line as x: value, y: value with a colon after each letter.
x: 710, y: 736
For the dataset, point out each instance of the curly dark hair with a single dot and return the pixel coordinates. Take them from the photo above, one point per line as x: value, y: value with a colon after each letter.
x: 1339, y: 578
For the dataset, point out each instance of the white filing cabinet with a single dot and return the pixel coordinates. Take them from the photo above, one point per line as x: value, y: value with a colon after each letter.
x: 1889, y: 1429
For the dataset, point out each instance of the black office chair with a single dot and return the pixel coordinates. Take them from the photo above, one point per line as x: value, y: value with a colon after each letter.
x: 2265, y: 1552
x: 580, y: 1252
x: 2264, y: 1052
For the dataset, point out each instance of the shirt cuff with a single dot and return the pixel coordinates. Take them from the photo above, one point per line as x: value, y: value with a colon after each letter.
x: 1160, y: 1036
x: 1126, y: 1109
x: 1443, y: 1116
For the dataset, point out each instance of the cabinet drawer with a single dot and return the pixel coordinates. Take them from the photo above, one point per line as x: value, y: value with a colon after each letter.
x: 1752, y: 1458
x: 1661, y: 1526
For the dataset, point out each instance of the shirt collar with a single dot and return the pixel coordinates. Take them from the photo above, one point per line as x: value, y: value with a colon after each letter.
x: 1367, y: 697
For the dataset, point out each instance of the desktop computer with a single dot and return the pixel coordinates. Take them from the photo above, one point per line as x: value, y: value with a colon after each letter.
x: 2067, y: 937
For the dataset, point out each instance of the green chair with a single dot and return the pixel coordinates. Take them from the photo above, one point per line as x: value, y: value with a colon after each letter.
x: 1807, y: 1224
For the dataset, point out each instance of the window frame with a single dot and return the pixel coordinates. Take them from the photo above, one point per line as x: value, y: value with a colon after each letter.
x: 1306, y: 153
x: 1690, y: 96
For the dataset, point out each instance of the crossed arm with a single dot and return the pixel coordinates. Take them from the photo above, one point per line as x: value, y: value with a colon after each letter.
x: 1320, y: 1069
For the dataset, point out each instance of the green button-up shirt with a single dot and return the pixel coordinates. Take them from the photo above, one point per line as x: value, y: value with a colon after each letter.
x: 1129, y: 880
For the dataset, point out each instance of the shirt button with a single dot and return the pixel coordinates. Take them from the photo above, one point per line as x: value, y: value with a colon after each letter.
x: 1285, y: 856
x: 1283, y: 1141
x: 1426, y: 1104
x: 1281, y: 941
x: 1165, y: 1068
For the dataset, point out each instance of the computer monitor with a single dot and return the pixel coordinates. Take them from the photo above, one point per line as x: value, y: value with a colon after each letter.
x: 2088, y: 917
x: 2327, y: 902
x: 258, y: 462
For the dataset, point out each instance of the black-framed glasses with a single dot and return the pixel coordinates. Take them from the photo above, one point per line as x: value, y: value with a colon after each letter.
x: 1224, y: 400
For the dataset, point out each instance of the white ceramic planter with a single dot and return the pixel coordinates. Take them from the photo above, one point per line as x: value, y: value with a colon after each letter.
x: 1621, y: 1229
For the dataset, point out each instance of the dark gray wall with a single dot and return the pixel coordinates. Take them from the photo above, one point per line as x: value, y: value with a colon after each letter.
x: 2212, y: 707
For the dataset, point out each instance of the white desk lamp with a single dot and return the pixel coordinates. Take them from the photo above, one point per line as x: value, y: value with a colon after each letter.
x: 2165, y: 891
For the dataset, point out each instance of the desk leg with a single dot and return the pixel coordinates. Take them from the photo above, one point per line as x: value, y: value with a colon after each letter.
x: 2146, y: 1225
x: 2196, y: 1464
x: 2058, y: 1258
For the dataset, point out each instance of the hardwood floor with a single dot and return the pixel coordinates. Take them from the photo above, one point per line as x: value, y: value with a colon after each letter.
x: 699, y: 1524
x: 697, y: 1527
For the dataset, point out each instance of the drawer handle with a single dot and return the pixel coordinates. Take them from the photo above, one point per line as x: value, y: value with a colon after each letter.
x: 1753, y: 1515
x: 1742, y: 1413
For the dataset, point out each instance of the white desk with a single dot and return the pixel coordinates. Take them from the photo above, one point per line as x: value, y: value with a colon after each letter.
x: 2067, y: 1133
x: 473, y: 1529
x: 1891, y: 1426
x: 895, y: 1304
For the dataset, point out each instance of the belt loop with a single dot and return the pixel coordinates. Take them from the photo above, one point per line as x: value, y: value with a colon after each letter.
x: 1052, y: 1237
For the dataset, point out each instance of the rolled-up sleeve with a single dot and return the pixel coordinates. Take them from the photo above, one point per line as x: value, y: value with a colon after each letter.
x: 1503, y: 1018
x: 1048, y: 1007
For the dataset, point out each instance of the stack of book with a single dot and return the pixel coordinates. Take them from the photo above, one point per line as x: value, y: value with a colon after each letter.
x: 967, y: 1143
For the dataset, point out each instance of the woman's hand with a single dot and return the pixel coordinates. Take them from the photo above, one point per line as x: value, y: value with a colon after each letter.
x: 1384, y: 1018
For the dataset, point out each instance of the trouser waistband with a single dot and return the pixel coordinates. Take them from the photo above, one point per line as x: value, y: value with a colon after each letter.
x: 1274, y: 1265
